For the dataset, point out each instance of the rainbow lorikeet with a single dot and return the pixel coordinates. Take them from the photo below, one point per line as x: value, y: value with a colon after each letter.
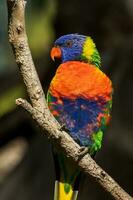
x: 80, y: 98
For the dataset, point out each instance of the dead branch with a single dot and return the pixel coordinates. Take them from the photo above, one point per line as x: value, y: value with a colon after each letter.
x: 38, y: 107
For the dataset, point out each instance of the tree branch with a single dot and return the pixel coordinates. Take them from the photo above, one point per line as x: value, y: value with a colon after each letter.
x: 38, y: 107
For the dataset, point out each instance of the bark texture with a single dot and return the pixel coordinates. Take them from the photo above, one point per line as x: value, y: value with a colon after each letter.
x: 38, y: 106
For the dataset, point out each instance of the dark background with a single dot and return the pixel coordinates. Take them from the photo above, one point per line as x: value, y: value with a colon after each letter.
x: 26, y: 164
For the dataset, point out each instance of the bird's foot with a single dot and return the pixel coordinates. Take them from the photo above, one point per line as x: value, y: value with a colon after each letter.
x: 82, y: 152
x: 63, y: 128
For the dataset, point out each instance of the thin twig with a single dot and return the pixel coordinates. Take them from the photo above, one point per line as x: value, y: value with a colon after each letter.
x: 39, y: 109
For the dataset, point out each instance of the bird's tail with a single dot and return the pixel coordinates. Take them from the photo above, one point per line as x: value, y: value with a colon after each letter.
x: 66, y: 185
x: 60, y: 192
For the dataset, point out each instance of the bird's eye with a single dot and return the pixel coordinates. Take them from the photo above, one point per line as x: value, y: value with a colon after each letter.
x: 69, y: 43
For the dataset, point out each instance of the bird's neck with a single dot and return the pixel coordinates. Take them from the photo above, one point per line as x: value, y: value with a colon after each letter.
x: 90, y: 53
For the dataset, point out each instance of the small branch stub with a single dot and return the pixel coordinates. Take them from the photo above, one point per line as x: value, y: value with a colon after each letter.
x: 25, y: 104
x: 38, y: 107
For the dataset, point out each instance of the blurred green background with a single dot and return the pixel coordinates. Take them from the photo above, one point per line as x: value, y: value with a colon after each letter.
x: 26, y: 164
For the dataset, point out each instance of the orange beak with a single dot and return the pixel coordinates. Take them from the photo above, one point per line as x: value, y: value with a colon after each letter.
x: 55, y: 53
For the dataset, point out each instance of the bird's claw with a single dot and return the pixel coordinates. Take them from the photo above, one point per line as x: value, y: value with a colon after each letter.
x: 63, y: 128
x: 82, y: 152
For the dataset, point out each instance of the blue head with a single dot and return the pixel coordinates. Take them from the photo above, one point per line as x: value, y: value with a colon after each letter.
x: 75, y: 47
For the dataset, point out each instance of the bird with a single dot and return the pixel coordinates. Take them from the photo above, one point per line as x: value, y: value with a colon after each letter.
x: 80, y: 98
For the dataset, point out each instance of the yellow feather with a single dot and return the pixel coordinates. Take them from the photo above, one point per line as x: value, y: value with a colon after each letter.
x: 88, y: 48
x: 62, y: 194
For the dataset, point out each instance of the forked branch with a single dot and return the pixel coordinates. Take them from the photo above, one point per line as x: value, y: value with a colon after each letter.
x: 38, y: 106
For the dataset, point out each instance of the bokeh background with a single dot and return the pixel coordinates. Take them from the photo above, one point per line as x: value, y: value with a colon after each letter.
x: 26, y: 164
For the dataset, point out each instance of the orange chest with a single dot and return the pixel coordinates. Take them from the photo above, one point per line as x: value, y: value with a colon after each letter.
x: 77, y: 79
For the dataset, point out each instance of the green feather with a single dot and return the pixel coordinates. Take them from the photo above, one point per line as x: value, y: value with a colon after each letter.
x: 96, y: 60
x: 97, y: 142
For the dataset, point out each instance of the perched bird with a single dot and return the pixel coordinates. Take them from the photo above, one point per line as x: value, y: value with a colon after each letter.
x: 80, y: 98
